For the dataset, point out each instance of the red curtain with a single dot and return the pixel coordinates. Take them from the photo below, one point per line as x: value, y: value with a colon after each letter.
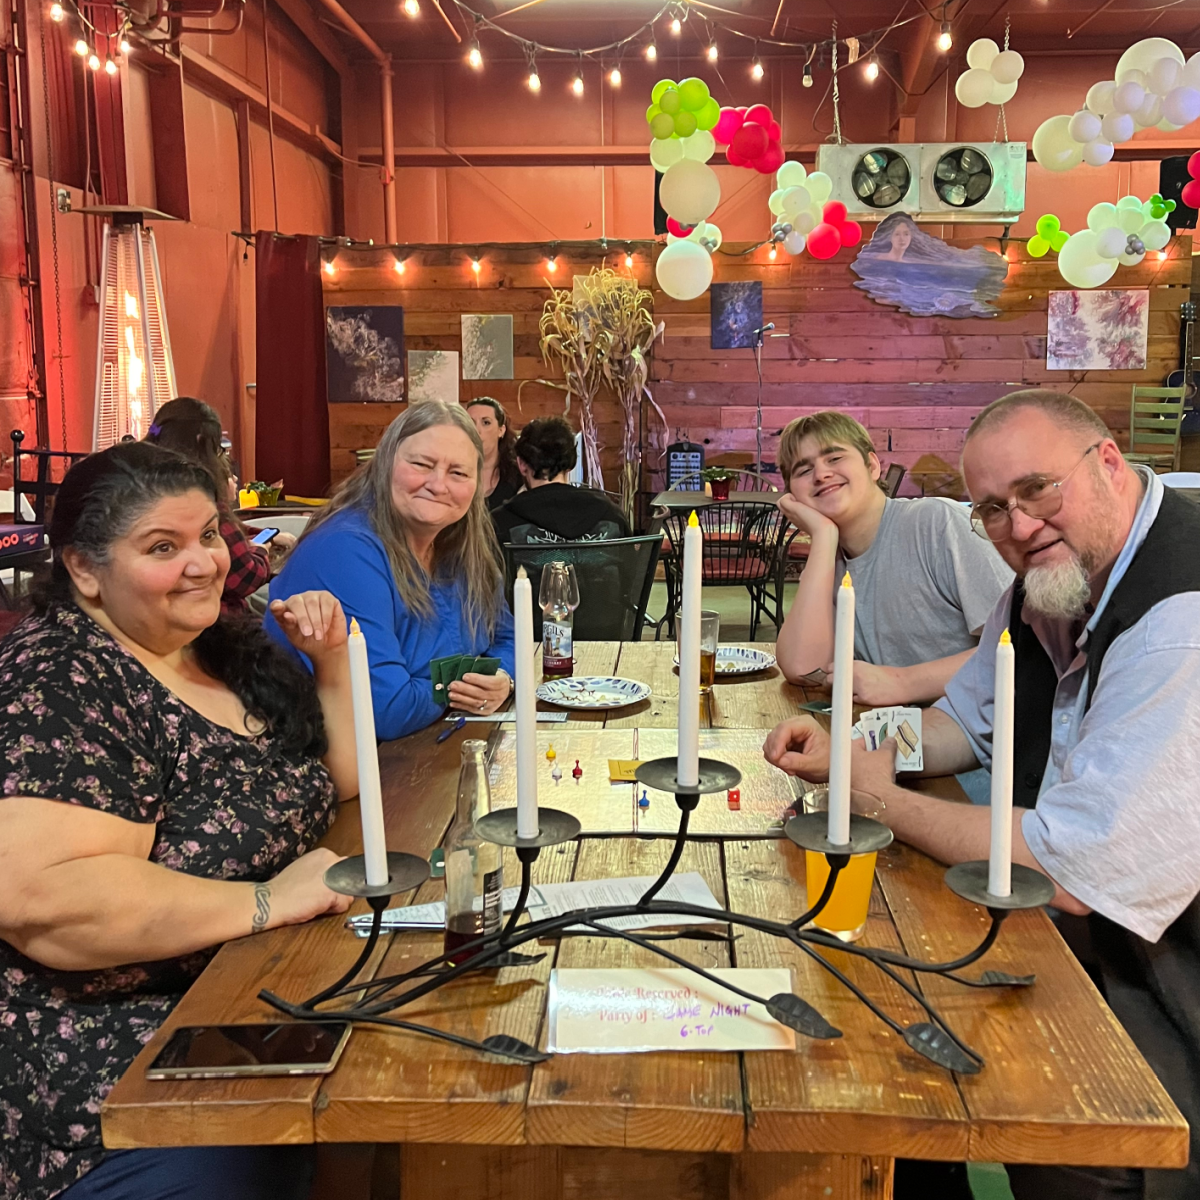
x: 291, y: 414
x: 110, y: 117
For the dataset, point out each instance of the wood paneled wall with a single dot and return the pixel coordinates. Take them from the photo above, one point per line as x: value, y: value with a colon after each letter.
x: 915, y: 382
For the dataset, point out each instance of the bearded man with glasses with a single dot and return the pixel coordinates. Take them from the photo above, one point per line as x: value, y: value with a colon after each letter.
x: 1105, y: 619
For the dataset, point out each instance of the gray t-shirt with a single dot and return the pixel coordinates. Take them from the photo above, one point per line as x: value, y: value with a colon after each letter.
x: 925, y: 586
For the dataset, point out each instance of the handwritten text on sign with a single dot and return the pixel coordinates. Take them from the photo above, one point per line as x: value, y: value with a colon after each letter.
x: 620, y: 1011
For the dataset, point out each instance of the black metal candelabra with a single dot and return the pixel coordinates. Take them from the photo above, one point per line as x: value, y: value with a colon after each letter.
x: 371, y: 1001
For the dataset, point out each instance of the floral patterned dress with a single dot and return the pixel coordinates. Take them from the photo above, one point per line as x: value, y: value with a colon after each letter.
x: 82, y: 721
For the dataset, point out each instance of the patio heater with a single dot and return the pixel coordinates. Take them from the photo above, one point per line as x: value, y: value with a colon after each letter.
x: 135, y: 373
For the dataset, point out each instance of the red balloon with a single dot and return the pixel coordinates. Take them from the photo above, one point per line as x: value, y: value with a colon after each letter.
x: 834, y: 212
x: 770, y: 160
x: 1191, y: 193
x: 734, y: 159
x: 774, y: 132
x: 824, y: 241
x: 728, y: 123
x: 750, y: 141
x: 760, y: 114
x: 743, y: 109
x: 1194, y: 165
x: 851, y: 233
x: 673, y: 226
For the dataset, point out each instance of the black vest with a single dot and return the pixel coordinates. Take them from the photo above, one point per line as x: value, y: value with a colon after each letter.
x: 1154, y: 989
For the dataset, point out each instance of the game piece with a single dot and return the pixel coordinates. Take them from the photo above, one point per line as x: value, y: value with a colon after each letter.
x: 577, y: 773
x: 735, y: 799
x: 644, y: 802
x: 550, y: 754
x: 556, y: 774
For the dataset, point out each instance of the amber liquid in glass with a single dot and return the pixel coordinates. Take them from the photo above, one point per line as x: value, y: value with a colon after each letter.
x: 845, y: 916
x: 708, y: 669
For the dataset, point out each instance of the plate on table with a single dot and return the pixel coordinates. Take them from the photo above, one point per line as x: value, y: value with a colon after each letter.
x: 739, y: 660
x: 592, y: 691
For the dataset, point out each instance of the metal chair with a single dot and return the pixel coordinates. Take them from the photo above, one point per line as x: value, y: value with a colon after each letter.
x: 743, y: 544
x: 1155, y: 418
x: 893, y: 479
x: 615, y: 578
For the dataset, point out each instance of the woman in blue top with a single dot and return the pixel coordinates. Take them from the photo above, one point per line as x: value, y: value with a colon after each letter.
x: 407, y: 546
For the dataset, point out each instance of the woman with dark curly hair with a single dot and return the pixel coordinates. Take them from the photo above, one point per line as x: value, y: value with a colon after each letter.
x: 501, y: 478
x: 168, y: 772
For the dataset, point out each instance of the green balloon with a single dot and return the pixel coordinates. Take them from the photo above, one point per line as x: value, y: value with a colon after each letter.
x: 662, y: 125
x: 685, y: 124
x: 670, y: 101
x: 652, y: 112
x: 663, y: 85
x: 1046, y: 226
x: 709, y: 115
x: 694, y: 93
x: 1038, y: 247
x: 1059, y: 240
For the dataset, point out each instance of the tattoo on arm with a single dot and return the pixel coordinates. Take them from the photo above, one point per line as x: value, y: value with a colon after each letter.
x: 262, y: 905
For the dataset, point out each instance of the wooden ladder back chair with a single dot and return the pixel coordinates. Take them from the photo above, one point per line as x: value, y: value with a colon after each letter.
x: 1155, y: 417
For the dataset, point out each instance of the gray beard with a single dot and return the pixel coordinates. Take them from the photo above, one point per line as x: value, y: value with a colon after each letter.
x: 1061, y: 591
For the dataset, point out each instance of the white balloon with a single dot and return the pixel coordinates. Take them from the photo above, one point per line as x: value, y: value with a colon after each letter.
x: 791, y: 174
x: 982, y: 53
x: 712, y: 239
x: 775, y: 203
x: 665, y: 152
x: 1131, y: 219
x: 794, y: 242
x: 1131, y: 75
x: 1151, y: 111
x: 700, y: 146
x: 974, y: 87
x: 690, y: 192
x: 795, y: 201
x: 1080, y: 264
x: 1053, y: 146
x: 684, y: 270
x: 805, y: 223
x: 1102, y: 216
x: 1129, y: 97
x: 1131, y: 260
x: 1181, y: 105
x: 1117, y: 127
x: 1142, y: 56
x: 1002, y: 93
x: 1167, y: 126
x: 1191, y: 72
x: 1165, y: 75
x: 1155, y: 235
x: 696, y: 232
x: 1007, y: 67
x: 819, y: 186
x: 1084, y: 126
x: 1110, y: 243
x: 1100, y: 97
x: 1129, y: 203
x: 1098, y: 153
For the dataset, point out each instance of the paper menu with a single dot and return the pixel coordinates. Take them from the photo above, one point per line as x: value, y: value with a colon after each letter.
x: 600, y: 1011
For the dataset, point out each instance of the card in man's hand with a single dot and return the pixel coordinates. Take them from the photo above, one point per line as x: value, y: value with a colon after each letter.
x: 903, y: 724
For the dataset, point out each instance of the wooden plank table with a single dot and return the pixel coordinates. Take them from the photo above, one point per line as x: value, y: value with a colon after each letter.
x: 1063, y: 1082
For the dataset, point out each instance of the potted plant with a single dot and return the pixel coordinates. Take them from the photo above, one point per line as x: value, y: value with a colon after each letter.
x: 718, y: 479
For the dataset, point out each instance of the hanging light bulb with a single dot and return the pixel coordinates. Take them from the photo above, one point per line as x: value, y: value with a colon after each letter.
x: 328, y: 267
x: 577, y: 82
x: 474, y: 57
x: 806, y: 78
x: 412, y: 8
x: 81, y: 48
x: 475, y: 264
x: 94, y: 62
x: 945, y: 39
x: 399, y: 267
x: 756, y: 68
x: 56, y: 12
x: 676, y: 26
x: 552, y: 262
x: 110, y: 67
x: 535, y: 80
x: 126, y: 48
x: 773, y: 253
x: 614, y: 77
x: 871, y: 70
x: 711, y: 52
x: 651, y: 51
x: 629, y: 258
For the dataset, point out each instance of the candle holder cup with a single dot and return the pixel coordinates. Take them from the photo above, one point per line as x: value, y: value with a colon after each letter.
x: 1030, y: 888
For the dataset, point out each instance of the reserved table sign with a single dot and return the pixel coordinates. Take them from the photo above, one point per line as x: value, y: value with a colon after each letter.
x: 625, y: 1011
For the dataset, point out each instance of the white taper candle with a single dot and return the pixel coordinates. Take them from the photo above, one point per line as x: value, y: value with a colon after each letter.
x: 526, y: 697
x: 687, y: 771
x: 841, y: 716
x: 1000, y: 853
x: 370, y: 794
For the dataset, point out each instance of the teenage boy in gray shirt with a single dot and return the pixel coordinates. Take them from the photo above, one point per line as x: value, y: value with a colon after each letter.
x: 924, y: 583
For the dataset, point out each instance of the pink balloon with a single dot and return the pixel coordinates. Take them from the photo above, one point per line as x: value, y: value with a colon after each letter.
x: 760, y: 114
x: 750, y: 141
x: 834, y: 212
x: 1194, y: 165
x: 851, y: 233
x: 770, y: 160
x: 1191, y: 193
x: 774, y: 132
x: 728, y: 123
x: 673, y: 226
x: 824, y: 241
x: 734, y: 159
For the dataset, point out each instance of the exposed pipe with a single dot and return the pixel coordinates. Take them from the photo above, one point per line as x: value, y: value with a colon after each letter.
x: 234, y: 28
x: 202, y: 12
x: 388, y: 173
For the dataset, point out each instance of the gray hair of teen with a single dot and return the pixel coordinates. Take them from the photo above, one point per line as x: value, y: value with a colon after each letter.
x: 466, y: 550
x: 1065, y: 411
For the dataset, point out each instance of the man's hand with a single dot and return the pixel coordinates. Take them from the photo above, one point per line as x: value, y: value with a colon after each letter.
x: 875, y: 686
x: 806, y: 519
x: 872, y: 773
x: 800, y: 747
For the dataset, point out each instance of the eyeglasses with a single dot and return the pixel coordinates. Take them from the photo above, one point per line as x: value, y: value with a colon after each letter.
x: 1039, y: 498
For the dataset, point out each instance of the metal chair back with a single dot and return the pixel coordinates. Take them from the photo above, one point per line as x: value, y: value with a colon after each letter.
x: 743, y: 481
x: 893, y: 479
x: 1155, y: 418
x: 40, y: 488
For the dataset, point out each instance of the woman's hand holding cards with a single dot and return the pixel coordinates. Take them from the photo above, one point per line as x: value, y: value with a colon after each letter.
x: 476, y: 693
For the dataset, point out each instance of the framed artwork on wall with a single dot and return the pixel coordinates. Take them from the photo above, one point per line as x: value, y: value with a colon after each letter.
x: 364, y: 354
x: 433, y: 375
x: 737, y: 312
x: 487, y: 346
x: 1102, y: 329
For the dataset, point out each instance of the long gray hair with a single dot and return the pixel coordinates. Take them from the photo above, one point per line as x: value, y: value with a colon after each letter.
x: 466, y: 550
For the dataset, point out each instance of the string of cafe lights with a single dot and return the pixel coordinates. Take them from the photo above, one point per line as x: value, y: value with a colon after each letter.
x: 115, y: 45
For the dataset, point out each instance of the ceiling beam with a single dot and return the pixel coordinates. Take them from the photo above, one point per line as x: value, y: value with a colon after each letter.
x: 301, y: 14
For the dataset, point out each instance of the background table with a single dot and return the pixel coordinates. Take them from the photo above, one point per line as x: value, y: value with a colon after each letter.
x: 1063, y: 1083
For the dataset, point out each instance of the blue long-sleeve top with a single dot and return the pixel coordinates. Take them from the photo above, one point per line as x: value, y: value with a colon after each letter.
x: 345, y: 556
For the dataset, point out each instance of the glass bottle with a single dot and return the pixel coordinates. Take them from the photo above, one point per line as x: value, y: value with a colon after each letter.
x: 558, y: 596
x: 474, y: 868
